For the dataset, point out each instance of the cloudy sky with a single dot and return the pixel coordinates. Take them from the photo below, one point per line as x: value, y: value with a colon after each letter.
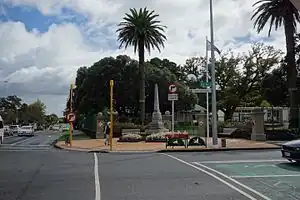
x: 43, y: 42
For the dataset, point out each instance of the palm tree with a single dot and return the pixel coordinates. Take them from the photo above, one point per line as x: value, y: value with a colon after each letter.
x: 142, y: 30
x: 282, y: 13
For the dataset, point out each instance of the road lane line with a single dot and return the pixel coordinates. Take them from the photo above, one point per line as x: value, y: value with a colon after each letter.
x: 97, y: 182
x: 214, y: 176
x: 20, y: 142
x: 267, y: 176
x: 235, y: 181
x: 240, y: 161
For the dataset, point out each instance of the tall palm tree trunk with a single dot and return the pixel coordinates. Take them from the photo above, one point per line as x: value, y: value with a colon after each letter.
x: 142, y: 79
x: 291, y: 72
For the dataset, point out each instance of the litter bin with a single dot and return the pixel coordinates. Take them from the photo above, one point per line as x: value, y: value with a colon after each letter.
x: 223, y: 142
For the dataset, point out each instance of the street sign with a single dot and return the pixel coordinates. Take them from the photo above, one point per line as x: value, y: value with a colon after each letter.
x: 197, y: 90
x: 172, y: 97
x: 172, y: 88
x: 71, y: 117
x: 205, y: 84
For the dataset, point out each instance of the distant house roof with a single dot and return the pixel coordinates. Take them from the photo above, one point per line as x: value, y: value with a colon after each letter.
x: 296, y: 3
x: 199, y: 108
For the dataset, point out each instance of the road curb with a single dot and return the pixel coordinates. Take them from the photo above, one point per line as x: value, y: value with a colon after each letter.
x: 54, y: 144
x: 220, y: 149
x: 166, y: 150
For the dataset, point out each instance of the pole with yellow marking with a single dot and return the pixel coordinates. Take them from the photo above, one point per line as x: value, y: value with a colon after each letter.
x: 71, y: 110
x: 111, y: 83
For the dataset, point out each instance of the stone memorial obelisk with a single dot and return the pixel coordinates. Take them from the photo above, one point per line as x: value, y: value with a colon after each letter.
x: 156, y: 124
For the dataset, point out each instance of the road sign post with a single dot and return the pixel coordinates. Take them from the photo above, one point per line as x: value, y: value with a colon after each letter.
x: 172, y: 96
x: 111, y: 83
x: 71, y: 114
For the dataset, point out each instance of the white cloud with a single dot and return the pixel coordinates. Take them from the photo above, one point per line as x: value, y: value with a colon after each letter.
x: 48, y: 61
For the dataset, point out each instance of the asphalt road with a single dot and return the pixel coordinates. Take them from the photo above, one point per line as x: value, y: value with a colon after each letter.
x: 172, y: 176
x: 46, y: 175
x: 55, y: 174
x: 41, y: 140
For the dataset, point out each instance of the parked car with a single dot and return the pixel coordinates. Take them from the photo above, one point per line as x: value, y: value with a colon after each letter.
x: 13, y: 129
x: 291, y: 150
x: 7, y: 131
x: 55, y: 127
x: 26, y: 131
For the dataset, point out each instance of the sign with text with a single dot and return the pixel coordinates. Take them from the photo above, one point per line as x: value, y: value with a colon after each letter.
x: 172, y: 97
x: 201, y: 90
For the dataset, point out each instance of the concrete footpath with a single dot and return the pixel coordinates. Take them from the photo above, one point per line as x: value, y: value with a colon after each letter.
x: 97, y: 145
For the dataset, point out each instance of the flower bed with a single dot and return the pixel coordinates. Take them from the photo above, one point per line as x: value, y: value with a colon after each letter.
x: 161, y: 137
x: 131, y: 137
x: 157, y: 137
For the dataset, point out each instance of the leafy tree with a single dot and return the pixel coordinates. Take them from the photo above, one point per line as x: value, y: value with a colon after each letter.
x: 142, y: 30
x: 265, y: 104
x: 239, y: 77
x: 274, y: 87
x: 124, y: 71
x: 282, y: 13
x: 36, y: 111
x: 51, y: 119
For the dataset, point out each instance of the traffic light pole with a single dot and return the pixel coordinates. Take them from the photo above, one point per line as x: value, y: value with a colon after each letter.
x: 71, y: 110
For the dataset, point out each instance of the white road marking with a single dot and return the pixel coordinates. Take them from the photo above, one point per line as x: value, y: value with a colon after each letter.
x: 276, y: 184
x: 20, y: 142
x: 257, y: 166
x: 267, y: 176
x: 235, y: 181
x: 240, y: 161
x: 97, y: 182
x: 214, y: 176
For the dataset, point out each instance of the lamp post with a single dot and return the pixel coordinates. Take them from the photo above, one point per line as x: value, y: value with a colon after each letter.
x: 213, y: 79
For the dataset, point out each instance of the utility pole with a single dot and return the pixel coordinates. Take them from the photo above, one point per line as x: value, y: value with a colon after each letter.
x: 111, y: 83
x: 213, y: 80
x: 71, y: 110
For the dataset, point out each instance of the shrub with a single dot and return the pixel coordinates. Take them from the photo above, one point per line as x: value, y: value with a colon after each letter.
x: 123, y: 119
x: 281, y: 134
x: 183, y: 124
x: 241, y: 133
x: 64, y: 137
x: 119, y: 126
x: 131, y: 137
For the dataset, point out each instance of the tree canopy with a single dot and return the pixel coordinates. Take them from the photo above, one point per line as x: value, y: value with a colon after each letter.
x: 244, y: 79
x: 13, y: 110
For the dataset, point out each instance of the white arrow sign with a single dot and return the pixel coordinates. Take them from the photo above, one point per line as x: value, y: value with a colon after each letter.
x: 172, y: 88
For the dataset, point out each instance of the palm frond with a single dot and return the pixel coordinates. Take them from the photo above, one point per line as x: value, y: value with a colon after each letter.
x: 276, y: 12
x: 143, y: 25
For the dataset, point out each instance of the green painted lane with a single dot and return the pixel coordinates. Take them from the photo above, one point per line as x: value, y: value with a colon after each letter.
x: 276, y: 180
x: 278, y: 188
x: 257, y: 169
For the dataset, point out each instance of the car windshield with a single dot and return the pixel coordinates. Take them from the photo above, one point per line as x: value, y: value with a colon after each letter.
x: 26, y: 127
x: 13, y: 126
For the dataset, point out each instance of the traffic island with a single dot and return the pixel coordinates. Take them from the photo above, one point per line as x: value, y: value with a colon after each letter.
x: 97, y: 145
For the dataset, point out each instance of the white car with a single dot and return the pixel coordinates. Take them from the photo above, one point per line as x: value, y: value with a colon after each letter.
x: 26, y: 131
x: 14, y: 129
x: 55, y: 127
